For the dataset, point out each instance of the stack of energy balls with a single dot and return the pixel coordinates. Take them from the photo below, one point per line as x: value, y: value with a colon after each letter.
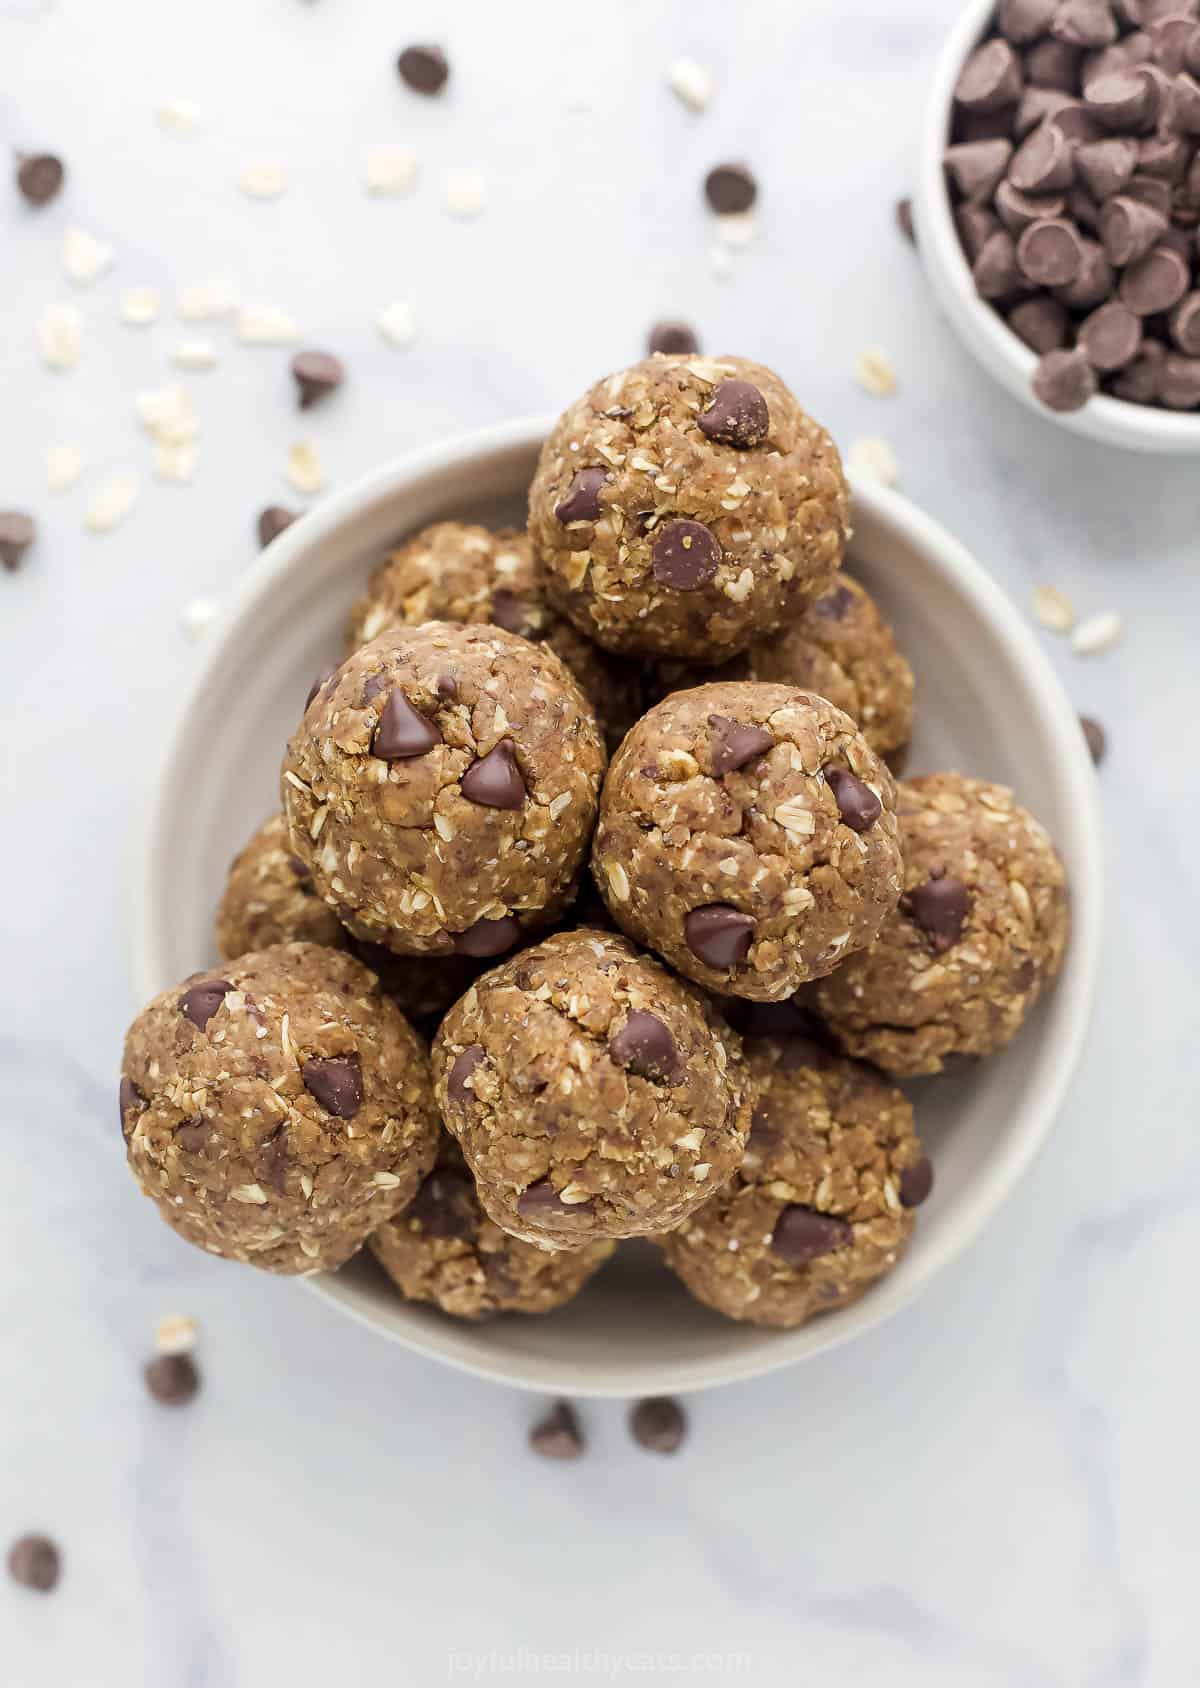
x: 620, y: 1053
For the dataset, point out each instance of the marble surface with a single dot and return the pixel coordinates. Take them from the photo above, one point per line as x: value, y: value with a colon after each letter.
x: 997, y: 1489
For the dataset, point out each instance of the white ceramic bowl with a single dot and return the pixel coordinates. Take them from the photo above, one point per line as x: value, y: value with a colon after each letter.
x: 1137, y: 427
x: 988, y: 703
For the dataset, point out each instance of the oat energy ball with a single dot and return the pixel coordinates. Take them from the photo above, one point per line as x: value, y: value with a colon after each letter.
x: 592, y: 1094
x: 687, y: 506
x: 747, y: 834
x: 822, y: 1204
x: 441, y: 789
x: 456, y: 571
x: 443, y: 1248
x: 269, y: 898
x: 278, y: 1109
x: 979, y: 931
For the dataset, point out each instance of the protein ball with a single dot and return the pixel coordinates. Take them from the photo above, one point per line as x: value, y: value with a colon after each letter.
x: 687, y: 506
x: 821, y: 1206
x: 747, y: 834
x: 456, y: 571
x: 442, y: 789
x: 444, y: 1249
x: 269, y: 898
x: 978, y: 934
x: 277, y: 1111
x: 593, y: 1094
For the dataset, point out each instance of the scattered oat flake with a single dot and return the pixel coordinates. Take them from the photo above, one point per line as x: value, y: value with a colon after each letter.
x: 304, y: 469
x: 389, y: 170
x: 692, y: 82
x: 266, y: 325
x: 262, y: 181
x: 112, y: 503
x: 1098, y: 633
x: 139, y: 306
x: 59, y: 332
x: 197, y: 617
x: 175, y: 462
x: 736, y: 228
x: 873, y: 371
x: 201, y: 300
x: 64, y: 465
x: 84, y: 258
x: 178, y: 117
x: 195, y: 354
x: 176, y: 1334
x: 166, y: 414
x: 465, y: 193
x: 1053, y: 609
x: 872, y: 459
x: 395, y: 323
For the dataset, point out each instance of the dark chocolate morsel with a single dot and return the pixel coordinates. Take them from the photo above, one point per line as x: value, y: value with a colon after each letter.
x: 424, y: 69
x: 173, y: 1379
x: 335, y: 1081
x: 488, y: 937
x: 857, y: 803
x: 558, y: 1435
x: 457, y: 1087
x: 658, y: 1424
x: 1097, y: 738
x: 730, y: 188
x: 34, y: 1562
x: 581, y: 502
x: 802, y: 1235
x: 542, y: 1201
x: 734, y: 743
x: 199, y: 1003
x: 644, y: 1046
x: 939, y: 907
x: 991, y: 78
x: 316, y: 374
x: 916, y: 1182
x: 684, y: 555
x: 403, y: 732
x: 674, y: 337
x: 976, y: 168
x: 719, y: 935
x: 737, y: 416
x: 17, y: 534
x: 445, y: 1205
x: 1065, y: 380
x: 494, y: 781
x: 273, y: 520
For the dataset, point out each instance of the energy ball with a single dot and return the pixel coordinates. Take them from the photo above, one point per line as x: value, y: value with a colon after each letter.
x: 592, y: 1094
x: 747, y: 834
x: 442, y: 788
x: 980, y: 929
x: 687, y: 506
x: 278, y: 1111
x: 443, y: 1248
x: 456, y: 571
x: 822, y: 1204
x: 421, y: 986
x: 269, y: 898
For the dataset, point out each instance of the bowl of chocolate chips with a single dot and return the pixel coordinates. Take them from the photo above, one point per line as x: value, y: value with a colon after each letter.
x: 1058, y: 204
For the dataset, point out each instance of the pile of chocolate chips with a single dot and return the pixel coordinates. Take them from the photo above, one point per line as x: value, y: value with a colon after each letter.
x: 1074, y: 167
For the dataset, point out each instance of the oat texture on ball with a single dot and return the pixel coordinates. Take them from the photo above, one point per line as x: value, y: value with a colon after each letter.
x: 978, y: 934
x: 269, y: 898
x: 747, y: 834
x: 822, y: 1204
x: 442, y: 788
x: 458, y: 571
x: 593, y: 1094
x: 687, y: 506
x: 445, y: 1250
x: 278, y: 1109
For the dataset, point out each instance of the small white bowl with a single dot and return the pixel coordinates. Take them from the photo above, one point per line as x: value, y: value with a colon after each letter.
x: 1137, y: 427
x: 988, y: 703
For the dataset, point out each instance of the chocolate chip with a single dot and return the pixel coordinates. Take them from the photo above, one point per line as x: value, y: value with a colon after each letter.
x: 17, y: 534
x: 201, y: 1002
x: 316, y: 687
x: 457, y: 1088
x: 1185, y: 116
x: 403, y: 732
x: 1094, y: 283
x: 1037, y: 104
x: 541, y: 1200
x: 673, y: 337
x: 995, y: 271
x: 1050, y: 252
x: 904, y: 220
x: 494, y: 781
x: 1185, y: 325
x: 316, y: 374
x: 1065, y: 380
x: 684, y: 555
x: 1097, y: 738
x: 193, y: 1135
x: 1084, y: 23
x: 1105, y: 167
x: 1018, y: 210
x: 488, y: 937
x: 1129, y: 229
x: 734, y: 743
x: 730, y: 188
x: 1044, y: 163
x: 1119, y: 101
x: 582, y: 502
x: 939, y: 907
x: 424, y: 69
x: 857, y: 803
x: 916, y: 1182
x: 173, y: 1379
x: 1023, y: 21
x: 273, y: 520
x: 1151, y: 191
x: 1179, y: 387
x: 129, y: 1096
x: 976, y: 168
x: 1077, y: 123
x: 1155, y: 283
x: 990, y: 79
x: 447, y: 687
x: 719, y: 935
x: 737, y: 416
x: 1110, y: 336
x: 39, y: 176
x: 335, y: 1082
x: 1053, y: 64
x: 802, y: 1235
x: 1141, y: 383
x: 975, y: 225
x: 512, y: 613
x: 445, y: 1204
x: 558, y: 1436
x: 658, y: 1424
x: 645, y: 1046
x: 34, y: 1562
x: 1176, y: 43
x: 1042, y: 323
x: 832, y: 606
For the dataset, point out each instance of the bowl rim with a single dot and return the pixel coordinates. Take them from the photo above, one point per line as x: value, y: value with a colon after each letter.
x: 982, y: 329
x: 1073, y: 991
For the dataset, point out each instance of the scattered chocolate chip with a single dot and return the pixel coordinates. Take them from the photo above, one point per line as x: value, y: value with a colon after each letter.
x: 658, y: 1424
x: 1018, y: 210
x: 976, y: 168
x: 1155, y: 283
x: 991, y: 78
x: 445, y: 1204
x: 1036, y: 105
x: 1023, y: 21
x: 1044, y: 163
x: 558, y: 1436
x: 1129, y: 229
x: 173, y: 1379
x: 916, y: 1182
x: 512, y: 613
x: 730, y: 188
x: 424, y: 69
x: 904, y: 220
x: 316, y: 374
x: 39, y: 176
x: 940, y: 908
x: 1097, y: 738
x: 129, y: 1096
x: 488, y: 937
x: 201, y: 1002
x: 1094, y: 283
x: 273, y: 520
x: 673, y: 337
x: 1065, y: 380
x: 447, y: 688
x: 684, y: 555
x: 732, y: 744
x: 582, y: 501
x: 374, y: 686
x: 403, y: 732
x: 995, y: 271
x: 719, y: 935
x: 1120, y: 100
x: 857, y: 803
x: 1050, y: 252
x: 335, y: 1082
x: 737, y: 416
x: 644, y: 1046
x: 802, y: 1234
x: 35, y: 1562
x: 494, y: 781
x: 1042, y: 323
x: 1105, y: 167
x: 542, y: 1199
x: 1084, y: 23
x: 1110, y: 336
x: 457, y: 1088
x: 316, y: 686
x: 832, y: 606
x: 17, y: 534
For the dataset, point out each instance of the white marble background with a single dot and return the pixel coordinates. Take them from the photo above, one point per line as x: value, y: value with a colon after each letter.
x: 997, y: 1489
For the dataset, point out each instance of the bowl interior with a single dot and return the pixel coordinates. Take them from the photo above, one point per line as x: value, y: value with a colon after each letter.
x: 986, y: 703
